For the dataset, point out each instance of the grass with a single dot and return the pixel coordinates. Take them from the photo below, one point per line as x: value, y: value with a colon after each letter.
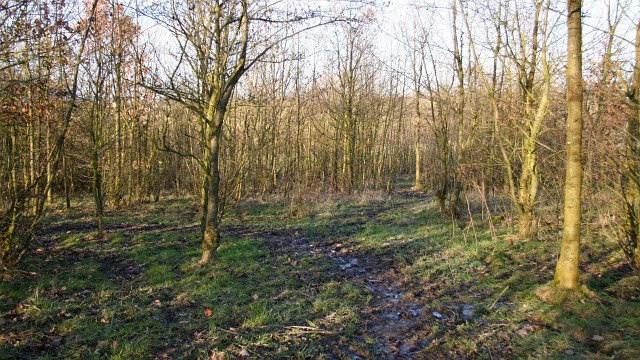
x: 276, y: 290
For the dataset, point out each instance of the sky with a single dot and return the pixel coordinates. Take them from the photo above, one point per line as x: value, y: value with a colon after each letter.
x: 395, y: 19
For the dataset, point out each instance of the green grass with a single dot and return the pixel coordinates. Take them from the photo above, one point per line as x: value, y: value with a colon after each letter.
x: 137, y: 293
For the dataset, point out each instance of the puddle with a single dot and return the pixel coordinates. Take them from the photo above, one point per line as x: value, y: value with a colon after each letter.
x: 349, y: 264
x: 468, y: 310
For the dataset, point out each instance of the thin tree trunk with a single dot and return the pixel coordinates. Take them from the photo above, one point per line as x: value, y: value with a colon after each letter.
x: 566, y: 275
x: 211, y: 235
x: 634, y: 137
x: 97, y: 191
x: 66, y: 182
x: 629, y: 185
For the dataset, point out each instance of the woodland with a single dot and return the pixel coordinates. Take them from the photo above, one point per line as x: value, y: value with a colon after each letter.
x: 349, y: 179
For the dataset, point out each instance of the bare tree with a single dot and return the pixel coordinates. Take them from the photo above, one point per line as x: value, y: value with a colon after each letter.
x: 217, y: 42
x: 567, y: 271
x: 37, y: 186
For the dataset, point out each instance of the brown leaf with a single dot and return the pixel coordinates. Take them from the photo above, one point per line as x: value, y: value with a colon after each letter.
x: 217, y: 355
x: 208, y: 313
x: 244, y: 353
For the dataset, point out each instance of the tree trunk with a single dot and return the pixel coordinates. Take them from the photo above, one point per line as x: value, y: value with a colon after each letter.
x: 66, y: 182
x: 628, y: 182
x: 634, y: 137
x: 210, y: 234
x: 566, y: 276
x: 97, y: 191
x: 417, y: 184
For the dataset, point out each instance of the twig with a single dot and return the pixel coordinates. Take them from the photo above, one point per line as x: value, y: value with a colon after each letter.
x: 498, y: 298
x: 229, y: 331
x: 306, y: 329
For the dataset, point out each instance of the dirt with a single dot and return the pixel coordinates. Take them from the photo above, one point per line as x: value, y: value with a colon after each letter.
x: 400, y: 321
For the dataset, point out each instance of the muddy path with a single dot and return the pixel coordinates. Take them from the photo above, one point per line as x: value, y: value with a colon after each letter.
x: 405, y: 317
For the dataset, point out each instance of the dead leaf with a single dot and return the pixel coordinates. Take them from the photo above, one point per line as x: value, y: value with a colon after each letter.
x: 208, y: 313
x: 105, y: 317
x: 156, y: 303
x: 255, y: 297
x: 293, y: 262
x: 217, y: 355
x: 244, y: 353
x: 597, y: 338
x: 525, y: 331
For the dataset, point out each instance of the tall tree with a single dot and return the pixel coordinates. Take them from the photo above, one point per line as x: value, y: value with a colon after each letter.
x: 347, y: 90
x: 217, y: 43
x: 630, y: 166
x: 566, y: 275
x: 26, y: 28
x: 634, y: 141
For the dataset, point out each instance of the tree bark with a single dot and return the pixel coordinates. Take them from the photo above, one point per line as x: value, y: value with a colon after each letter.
x: 634, y: 137
x: 566, y: 275
x: 629, y: 185
x: 211, y: 234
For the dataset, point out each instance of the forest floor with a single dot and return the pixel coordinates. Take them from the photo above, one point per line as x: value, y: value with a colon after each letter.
x: 369, y: 276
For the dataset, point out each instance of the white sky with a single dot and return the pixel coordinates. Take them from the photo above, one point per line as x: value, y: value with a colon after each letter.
x: 395, y: 15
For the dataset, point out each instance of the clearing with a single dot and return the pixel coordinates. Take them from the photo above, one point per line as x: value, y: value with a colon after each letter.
x: 369, y: 276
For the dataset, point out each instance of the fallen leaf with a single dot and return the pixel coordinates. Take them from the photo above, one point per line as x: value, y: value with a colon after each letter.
x: 208, y: 313
x: 525, y: 331
x: 244, y: 353
x: 597, y: 338
x: 217, y: 355
x: 255, y: 297
x: 156, y: 303
x: 569, y: 352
